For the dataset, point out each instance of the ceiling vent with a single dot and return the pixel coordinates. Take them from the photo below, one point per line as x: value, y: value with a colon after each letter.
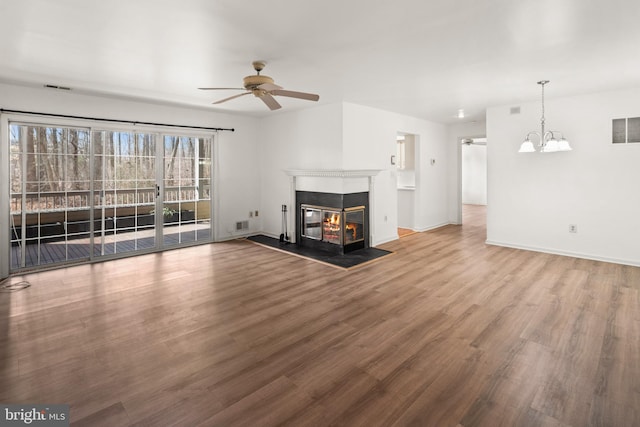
x: 57, y: 87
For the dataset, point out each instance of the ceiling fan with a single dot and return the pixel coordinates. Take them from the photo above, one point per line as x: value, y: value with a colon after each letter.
x: 474, y: 141
x: 264, y: 88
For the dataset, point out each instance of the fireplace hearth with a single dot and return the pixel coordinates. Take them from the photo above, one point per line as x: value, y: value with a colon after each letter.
x: 334, y: 223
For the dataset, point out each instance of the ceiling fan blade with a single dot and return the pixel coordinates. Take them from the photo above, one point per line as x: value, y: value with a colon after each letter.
x: 269, y: 87
x: 474, y: 141
x: 270, y: 101
x: 221, y: 88
x: 231, y: 97
x: 293, y: 94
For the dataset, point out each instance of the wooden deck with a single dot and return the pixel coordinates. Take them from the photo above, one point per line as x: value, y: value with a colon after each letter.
x: 61, y: 251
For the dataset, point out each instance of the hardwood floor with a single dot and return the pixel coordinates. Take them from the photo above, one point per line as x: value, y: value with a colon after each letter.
x: 446, y: 332
x: 404, y: 232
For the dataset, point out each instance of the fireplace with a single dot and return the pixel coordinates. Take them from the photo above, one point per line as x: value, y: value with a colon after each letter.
x: 338, y: 227
x: 336, y: 223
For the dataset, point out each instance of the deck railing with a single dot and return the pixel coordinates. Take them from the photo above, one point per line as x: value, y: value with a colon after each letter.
x: 59, y: 201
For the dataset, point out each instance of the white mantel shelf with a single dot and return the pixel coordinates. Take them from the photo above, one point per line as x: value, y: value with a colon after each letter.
x: 334, y: 173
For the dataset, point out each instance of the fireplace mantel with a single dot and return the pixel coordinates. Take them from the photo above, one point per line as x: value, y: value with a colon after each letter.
x: 334, y: 173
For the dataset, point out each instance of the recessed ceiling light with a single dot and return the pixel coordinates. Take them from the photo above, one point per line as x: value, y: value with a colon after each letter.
x: 461, y: 113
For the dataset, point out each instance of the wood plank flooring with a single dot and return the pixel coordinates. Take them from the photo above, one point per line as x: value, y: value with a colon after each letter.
x: 446, y: 332
x: 404, y: 232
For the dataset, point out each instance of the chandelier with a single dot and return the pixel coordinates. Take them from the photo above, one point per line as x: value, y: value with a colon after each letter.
x: 548, y: 140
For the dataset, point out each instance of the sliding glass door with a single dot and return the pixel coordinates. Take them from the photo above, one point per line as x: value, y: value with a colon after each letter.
x: 187, y: 190
x: 125, y: 192
x: 79, y: 194
x: 50, y: 194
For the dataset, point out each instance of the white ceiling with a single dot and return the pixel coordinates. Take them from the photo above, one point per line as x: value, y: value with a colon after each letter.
x: 423, y: 58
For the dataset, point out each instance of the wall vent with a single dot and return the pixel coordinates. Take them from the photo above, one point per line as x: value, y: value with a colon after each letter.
x: 625, y: 131
x: 514, y: 110
x: 242, y: 225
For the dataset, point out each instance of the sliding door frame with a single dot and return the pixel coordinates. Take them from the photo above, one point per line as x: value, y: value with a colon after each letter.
x: 6, y: 119
x: 5, y: 197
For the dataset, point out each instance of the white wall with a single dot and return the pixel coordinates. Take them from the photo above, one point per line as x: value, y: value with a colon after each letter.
x: 369, y: 143
x: 406, y: 208
x: 304, y: 139
x: 534, y: 197
x: 454, y: 163
x: 474, y: 174
x: 238, y: 159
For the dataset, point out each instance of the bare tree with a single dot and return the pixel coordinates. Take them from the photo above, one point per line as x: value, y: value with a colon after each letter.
x: 32, y: 163
x: 47, y: 143
x: 73, y: 154
x: 170, y: 173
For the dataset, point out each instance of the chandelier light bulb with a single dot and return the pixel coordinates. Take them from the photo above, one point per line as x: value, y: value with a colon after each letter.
x: 563, y: 145
x: 551, y: 146
x: 527, y: 147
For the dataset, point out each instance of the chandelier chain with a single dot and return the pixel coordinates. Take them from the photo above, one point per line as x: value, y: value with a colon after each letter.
x: 542, y: 118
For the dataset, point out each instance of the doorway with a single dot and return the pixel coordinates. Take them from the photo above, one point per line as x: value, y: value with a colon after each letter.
x: 406, y: 162
x: 473, y: 172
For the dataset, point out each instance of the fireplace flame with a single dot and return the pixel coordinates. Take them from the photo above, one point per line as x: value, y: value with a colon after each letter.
x: 331, y: 228
x: 351, y: 228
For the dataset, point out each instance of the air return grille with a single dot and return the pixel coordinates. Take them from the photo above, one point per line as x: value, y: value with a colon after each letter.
x: 625, y: 130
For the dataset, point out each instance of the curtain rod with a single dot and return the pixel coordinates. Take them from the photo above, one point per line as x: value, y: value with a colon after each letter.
x: 65, y: 116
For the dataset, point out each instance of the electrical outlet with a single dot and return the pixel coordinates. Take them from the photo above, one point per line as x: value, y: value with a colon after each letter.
x: 256, y: 213
x: 250, y: 214
x: 573, y: 228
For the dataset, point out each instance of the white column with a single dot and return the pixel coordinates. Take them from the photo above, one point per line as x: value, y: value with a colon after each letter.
x: 291, y: 219
x: 372, y: 218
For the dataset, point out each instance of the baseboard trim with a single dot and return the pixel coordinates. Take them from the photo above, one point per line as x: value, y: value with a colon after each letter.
x: 432, y: 227
x: 564, y: 253
x: 237, y: 236
x: 386, y: 240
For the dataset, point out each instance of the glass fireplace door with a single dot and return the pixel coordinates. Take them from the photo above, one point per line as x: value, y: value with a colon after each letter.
x: 311, y: 223
x: 354, y: 225
x: 331, y: 227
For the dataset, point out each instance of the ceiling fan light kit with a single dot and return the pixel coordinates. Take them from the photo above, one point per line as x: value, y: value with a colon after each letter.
x: 548, y: 143
x: 263, y: 87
